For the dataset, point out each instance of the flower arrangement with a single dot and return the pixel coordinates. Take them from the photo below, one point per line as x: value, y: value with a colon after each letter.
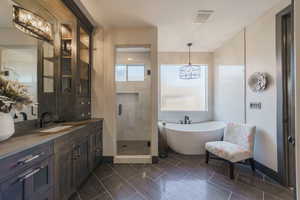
x: 13, y: 95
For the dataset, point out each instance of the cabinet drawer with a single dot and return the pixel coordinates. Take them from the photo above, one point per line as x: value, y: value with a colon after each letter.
x: 24, y: 159
x: 49, y: 195
x: 29, y: 184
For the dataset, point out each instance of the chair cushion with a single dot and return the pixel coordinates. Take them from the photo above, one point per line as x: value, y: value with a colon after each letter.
x: 240, y: 134
x: 228, y: 151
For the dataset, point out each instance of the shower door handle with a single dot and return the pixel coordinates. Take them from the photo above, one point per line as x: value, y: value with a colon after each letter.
x: 120, y: 109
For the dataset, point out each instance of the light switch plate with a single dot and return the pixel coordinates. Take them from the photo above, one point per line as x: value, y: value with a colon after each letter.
x: 255, y: 105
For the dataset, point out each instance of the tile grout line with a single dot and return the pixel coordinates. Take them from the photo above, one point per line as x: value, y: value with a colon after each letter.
x: 162, y: 174
x: 230, y: 195
x: 211, y: 176
x: 105, y: 188
x: 136, y: 190
x: 106, y: 177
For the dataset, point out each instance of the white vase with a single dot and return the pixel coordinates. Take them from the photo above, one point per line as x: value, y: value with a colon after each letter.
x: 7, y: 126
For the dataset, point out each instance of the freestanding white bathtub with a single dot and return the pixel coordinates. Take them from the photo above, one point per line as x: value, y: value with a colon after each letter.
x: 190, y: 139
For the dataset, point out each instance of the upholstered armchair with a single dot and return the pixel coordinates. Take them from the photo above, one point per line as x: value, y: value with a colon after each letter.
x: 237, y: 146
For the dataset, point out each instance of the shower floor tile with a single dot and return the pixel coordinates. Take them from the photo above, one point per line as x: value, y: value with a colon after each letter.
x: 133, y: 148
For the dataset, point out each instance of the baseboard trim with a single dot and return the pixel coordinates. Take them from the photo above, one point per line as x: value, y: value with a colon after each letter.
x: 267, y: 171
x: 133, y: 159
x: 108, y: 159
x: 154, y: 159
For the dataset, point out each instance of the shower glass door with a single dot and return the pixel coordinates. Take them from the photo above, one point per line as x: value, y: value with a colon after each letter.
x: 133, y: 92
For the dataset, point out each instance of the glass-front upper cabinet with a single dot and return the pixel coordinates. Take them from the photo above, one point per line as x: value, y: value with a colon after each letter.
x: 48, y: 68
x: 66, y: 58
x: 84, y: 63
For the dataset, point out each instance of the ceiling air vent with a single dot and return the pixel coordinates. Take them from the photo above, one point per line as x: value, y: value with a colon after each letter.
x: 202, y: 16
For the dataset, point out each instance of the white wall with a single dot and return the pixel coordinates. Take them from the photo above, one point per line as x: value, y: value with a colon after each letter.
x: 297, y: 56
x: 229, y: 87
x: 260, y: 56
x: 182, y: 58
x: 103, y: 81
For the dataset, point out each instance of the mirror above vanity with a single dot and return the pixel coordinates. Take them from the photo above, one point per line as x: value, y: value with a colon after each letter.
x: 46, y: 48
x: 18, y: 59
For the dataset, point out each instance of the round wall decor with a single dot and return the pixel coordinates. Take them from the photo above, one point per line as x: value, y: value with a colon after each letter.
x: 258, y: 82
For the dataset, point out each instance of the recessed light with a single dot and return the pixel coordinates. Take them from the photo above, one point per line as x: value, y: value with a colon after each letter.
x: 129, y: 59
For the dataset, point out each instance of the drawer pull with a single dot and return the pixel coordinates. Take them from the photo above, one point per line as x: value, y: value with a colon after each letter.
x: 31, y: 173
x: 30, y: 159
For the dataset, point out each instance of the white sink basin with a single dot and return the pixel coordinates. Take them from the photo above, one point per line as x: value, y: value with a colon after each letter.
x: 55, y: 129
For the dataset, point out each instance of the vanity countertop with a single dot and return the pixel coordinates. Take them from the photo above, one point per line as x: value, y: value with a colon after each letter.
x: 34, y: 138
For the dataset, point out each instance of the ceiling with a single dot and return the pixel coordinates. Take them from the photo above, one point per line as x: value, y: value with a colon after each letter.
x: 175, y: 19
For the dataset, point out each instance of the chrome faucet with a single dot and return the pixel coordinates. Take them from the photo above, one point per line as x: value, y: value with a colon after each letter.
x: 46, y: 118
x: 186, y: 120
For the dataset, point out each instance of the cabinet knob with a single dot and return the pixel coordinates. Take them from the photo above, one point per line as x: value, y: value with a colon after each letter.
x: 82, y: 115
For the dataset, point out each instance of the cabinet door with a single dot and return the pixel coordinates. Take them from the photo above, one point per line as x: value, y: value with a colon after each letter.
x: 82, y: 162
x: 17, y: 188
x: 45, y: 196
x: 47, y: 82
x: 92, y: 152
x: 41, y: 179
x: 84, y: 63
x: 99, y: 147
x: 64, y: 173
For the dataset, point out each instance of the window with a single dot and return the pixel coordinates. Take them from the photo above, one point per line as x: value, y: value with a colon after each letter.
x: 121, y: 73
x: 130, y: 73
x: 182, y: 95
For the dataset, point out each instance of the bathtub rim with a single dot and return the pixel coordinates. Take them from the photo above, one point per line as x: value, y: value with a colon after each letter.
x: 193, y: 131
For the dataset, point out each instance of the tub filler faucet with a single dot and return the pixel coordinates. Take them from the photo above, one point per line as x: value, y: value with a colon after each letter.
x: 186, y: 120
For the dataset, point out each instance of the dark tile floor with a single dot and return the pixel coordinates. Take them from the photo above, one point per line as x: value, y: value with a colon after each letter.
x: 178, y: 177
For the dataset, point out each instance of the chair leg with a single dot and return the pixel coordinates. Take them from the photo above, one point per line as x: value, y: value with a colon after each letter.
x: 231, y: 167
x: 207, y: 157
x: 251, y: 160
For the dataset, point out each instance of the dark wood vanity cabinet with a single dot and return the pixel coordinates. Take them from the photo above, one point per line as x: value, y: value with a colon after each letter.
x: 35, y: 183
x: 55, y: 169
x: 76, y: 155
x: 28, y: 175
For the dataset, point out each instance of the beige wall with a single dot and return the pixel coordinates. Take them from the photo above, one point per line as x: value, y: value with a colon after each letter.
x: 297, y: 56
x: 104, y: 97
x: 261, y: 57
x: 182, y: 58
x: 230, y: 107
x: 98, y: 74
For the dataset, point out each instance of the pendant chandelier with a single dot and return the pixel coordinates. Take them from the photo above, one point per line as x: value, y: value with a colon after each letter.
x: 189, y: 71
x: 32, y: 24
